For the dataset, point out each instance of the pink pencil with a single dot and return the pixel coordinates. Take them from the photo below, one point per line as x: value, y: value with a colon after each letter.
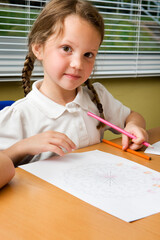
x: 115, y: 127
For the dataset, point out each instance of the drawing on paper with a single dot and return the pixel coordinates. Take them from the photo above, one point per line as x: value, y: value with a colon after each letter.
x: 113, y: 184
x: 111, y: 180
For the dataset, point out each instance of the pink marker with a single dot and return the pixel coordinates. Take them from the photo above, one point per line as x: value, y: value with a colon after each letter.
x: 115, y: 127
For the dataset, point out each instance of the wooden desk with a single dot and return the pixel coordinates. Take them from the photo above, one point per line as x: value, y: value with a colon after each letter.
x: 31, y: 208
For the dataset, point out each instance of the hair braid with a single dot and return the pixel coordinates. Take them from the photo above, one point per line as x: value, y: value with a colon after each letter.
x: 26, y: 74
x: 96, y: 101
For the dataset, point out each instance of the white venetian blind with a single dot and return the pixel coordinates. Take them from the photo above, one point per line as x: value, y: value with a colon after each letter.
x: 16, y: 18
x: 131, y: 46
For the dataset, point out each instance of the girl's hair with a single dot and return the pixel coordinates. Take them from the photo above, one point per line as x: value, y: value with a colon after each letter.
x: 50, y: 21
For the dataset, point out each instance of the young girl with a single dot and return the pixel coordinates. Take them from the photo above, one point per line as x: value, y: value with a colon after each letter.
x: 52, y: 118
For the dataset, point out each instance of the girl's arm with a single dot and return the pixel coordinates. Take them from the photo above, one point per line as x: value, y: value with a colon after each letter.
x: 7, y: 169
x: 49, y: 141
x: 135, y: 124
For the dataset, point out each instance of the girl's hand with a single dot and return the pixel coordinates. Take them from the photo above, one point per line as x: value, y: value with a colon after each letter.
x: 135, y: 143
x: 49, y: 141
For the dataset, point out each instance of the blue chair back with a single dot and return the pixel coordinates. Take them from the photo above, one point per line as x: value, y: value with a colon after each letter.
x: 5, y: 103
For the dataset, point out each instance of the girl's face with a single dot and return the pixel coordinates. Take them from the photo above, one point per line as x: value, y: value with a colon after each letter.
x: 68, y: 59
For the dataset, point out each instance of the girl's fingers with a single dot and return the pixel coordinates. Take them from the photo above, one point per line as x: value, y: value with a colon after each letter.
x: 62, y: 140
x: 135, y: 143
x: 134, y: 146
x: 47, y: 141
x: 125, y: 142
x: 55, y: 149
x: 60, y: 143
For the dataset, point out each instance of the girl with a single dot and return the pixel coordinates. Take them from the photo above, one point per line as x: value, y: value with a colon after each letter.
x: 52, y: 118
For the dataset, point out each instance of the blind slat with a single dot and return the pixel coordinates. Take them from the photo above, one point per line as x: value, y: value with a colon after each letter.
x: 131, y: 45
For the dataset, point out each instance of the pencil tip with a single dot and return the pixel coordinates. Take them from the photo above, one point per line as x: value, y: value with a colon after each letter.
x: 151, y: 146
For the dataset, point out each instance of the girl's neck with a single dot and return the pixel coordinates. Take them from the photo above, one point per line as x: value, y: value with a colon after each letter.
x: 60, y: 96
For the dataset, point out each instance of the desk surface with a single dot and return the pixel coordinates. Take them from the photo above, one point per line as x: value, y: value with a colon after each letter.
x: 31, y: 208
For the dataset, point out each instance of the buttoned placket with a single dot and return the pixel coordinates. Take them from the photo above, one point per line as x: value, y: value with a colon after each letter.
x: 81, y: 131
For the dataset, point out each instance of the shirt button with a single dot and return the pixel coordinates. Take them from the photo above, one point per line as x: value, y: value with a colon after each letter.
x: 72, y: 107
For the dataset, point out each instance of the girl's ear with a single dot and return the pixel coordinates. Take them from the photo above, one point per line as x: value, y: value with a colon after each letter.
x: 37, y: 49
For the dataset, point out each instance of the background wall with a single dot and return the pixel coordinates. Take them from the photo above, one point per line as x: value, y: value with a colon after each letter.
x: 140, y: 94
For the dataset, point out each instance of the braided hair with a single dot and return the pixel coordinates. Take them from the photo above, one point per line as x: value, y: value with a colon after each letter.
x: 96, y: 100
x: 26, y: 74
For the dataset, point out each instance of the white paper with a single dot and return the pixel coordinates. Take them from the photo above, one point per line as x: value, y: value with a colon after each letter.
x: 155, y: 149
x: 113, y: 184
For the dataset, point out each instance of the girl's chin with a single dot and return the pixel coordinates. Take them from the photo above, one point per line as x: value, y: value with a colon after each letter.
x: 70, y: 87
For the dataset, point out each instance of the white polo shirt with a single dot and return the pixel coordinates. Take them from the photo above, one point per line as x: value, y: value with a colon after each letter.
x: 37, y: 113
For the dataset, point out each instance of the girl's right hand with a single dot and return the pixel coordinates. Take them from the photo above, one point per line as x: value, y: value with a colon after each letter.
x: 49, y: 141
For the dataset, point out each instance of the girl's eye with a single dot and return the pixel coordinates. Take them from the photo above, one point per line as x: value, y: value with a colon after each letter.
x: 88, y: 55
x: 66, y: 48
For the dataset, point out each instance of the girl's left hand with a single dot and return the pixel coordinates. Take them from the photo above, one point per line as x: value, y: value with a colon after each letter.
x: 135, y: 143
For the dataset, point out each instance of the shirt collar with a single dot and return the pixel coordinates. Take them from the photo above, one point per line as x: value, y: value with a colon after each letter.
x: 53, y: 109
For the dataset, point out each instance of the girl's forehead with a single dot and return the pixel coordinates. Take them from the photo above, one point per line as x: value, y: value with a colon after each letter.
x: 73, y: 20
x: 75, y: 27
x: 76, y: 30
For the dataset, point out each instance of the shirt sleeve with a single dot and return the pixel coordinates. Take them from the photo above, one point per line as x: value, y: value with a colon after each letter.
x: 11, y: 129
x: 114, y: 111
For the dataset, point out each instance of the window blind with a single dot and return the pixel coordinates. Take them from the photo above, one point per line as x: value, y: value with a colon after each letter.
x: 16, y: 18
x: 131, y: 46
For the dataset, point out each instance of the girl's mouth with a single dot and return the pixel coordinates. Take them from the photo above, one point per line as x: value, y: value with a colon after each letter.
x: 72, y: 76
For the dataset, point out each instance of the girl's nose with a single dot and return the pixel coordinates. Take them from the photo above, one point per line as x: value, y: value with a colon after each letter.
x: 76, y: 62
